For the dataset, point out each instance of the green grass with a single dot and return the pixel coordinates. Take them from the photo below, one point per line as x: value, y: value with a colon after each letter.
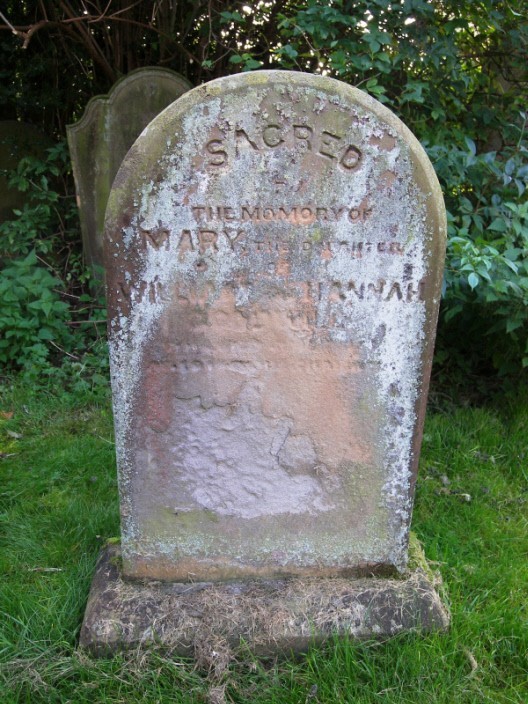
x: 58, y: 505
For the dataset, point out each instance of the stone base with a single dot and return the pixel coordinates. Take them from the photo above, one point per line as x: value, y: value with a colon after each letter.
x: 269, y: 616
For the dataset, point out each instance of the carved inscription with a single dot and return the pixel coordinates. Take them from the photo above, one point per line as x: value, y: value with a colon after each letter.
x: 209, y: 241
x: 203, y: 240
x: 322, y: 142
x: 156, y: 236
x: 133, y: 295
x: 221, y: 228
x: 240, y: 229
x: 295, y: 215
x: 187, y: 366
x: 347, y: 292
x: 380, y: 290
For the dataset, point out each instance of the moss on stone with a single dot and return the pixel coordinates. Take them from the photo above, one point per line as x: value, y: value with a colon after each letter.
x: 417, y: 558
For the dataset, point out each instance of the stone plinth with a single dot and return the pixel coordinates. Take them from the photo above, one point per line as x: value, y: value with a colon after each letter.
x: 268, y: 616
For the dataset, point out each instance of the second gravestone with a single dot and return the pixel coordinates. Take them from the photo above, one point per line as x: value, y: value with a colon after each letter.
x: 101, y: 138
x: 274, y: 258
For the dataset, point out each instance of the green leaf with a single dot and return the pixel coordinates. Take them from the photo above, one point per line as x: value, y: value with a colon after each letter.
x: 473, y: 280
x: 290, y: 51
x: 498, y: 225
x: 231, y: 16
x: 31, y: 258
x: 46, y: 334
x: 513, y: 324
x: 471, y: 145
x: 252, y: 64
x: 509, y: 167
x: 512, y: 265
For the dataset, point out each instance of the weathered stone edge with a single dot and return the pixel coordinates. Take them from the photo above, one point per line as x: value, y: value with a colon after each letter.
x: 268, y: 616
x: 108, y: 98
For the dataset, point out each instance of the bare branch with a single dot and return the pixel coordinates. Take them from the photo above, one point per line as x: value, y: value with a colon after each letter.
x: 103, y: 15
x: 43, y: 9
x: 90, y: 43
x: 16, y: 32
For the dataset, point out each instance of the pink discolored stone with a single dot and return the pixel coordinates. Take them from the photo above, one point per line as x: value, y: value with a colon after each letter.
x: 274, y: 247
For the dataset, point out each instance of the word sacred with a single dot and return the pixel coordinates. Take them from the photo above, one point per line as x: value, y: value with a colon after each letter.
x: 296, y: 215
x: 322, y: 142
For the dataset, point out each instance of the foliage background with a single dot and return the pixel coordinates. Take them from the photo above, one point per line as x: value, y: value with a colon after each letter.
x: 455, y: 72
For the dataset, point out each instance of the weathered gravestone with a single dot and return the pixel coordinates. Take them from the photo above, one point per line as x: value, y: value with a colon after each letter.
x: 100, y: 140
x: 17, y: 140
x: 274, y: 250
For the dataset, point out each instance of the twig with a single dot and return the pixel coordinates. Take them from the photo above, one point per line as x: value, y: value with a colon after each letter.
x: 8, y: 23
x: 63, y: 293
x: 114, y: 14
x: 105, y: 440
x: 103, y: 13
x: 90, y: 44
x: 472, y: 661
x: 63, y: 351
x: 43, y: 9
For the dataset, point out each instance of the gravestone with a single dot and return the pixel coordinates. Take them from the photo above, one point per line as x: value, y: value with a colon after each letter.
x: 99, y: 141
x: 274, y: 247
x: 17, y: 140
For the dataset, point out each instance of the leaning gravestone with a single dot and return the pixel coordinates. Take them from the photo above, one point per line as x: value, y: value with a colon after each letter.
x: 100, y: 140
x: 274, y: 247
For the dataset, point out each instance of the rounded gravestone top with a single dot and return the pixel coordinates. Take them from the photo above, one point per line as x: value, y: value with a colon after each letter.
x: 101, y: 138
x: 131, y: 88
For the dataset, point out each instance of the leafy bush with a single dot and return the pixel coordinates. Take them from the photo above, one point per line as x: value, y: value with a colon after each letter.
x: 455, y: 71
x: 48, y: 319
x: 32, y: 313
x: 48, y: 220
x: 486, y: 276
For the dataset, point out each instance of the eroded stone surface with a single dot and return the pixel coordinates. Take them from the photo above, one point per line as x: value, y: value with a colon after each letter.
x: 268, y: 616
x: 99, y: 141
x: 274, y: 252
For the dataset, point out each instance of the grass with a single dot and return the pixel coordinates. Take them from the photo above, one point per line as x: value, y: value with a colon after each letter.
x: 58, y: 505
